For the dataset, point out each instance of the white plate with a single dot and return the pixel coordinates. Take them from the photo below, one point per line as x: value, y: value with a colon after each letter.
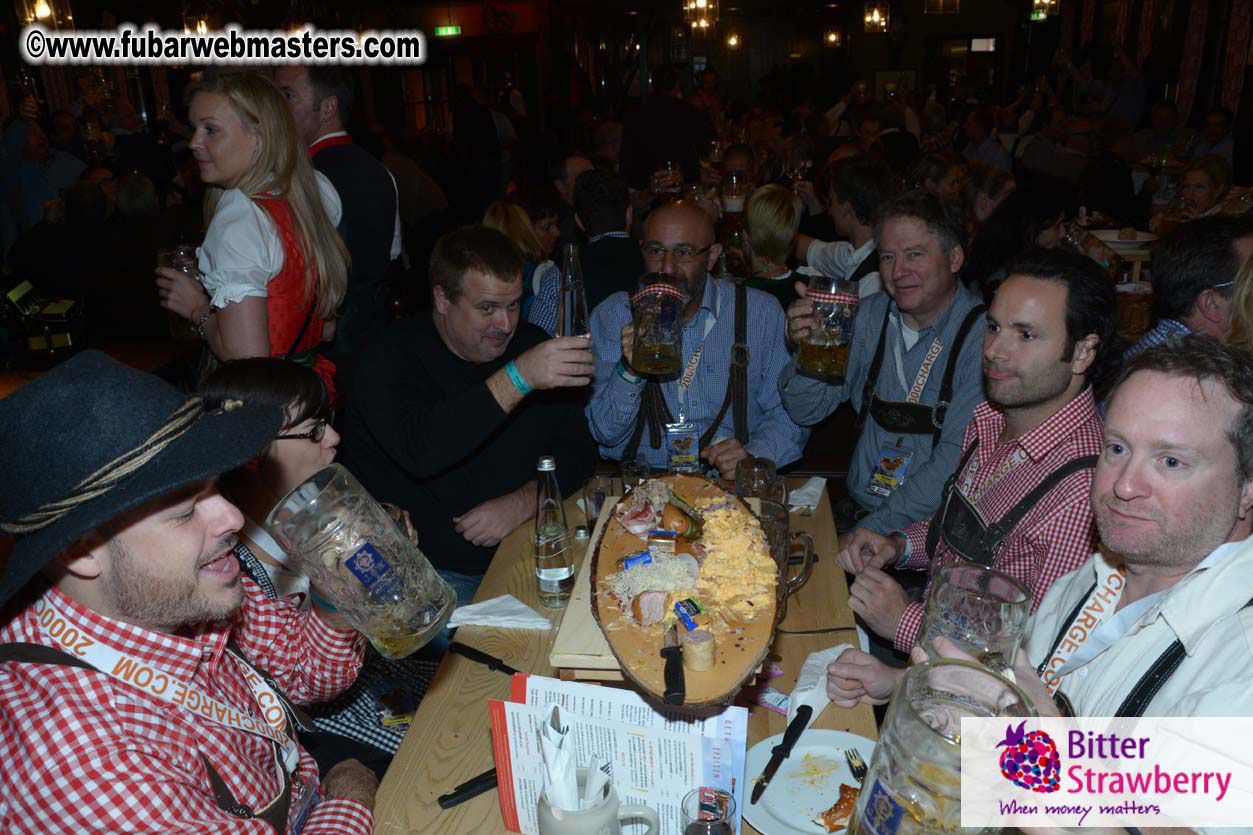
x: 1109, y: 237
x: 806, y: 784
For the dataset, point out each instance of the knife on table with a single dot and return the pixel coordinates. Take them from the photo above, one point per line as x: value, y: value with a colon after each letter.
x: 676, y: 689
x: 780, y: 752
x: 491, y: 661
x: 469, y: 789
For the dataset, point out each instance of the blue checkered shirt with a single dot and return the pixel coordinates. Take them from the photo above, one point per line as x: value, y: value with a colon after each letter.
x: 615, y: 401
x: 544, y: 308
x: 1165, y: 329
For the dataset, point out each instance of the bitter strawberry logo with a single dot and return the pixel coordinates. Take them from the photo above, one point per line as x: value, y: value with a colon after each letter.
x: 1030, y: 760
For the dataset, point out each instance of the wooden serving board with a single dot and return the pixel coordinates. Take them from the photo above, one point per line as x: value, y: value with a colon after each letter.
x: 638, y: 649
x: 580, y: 645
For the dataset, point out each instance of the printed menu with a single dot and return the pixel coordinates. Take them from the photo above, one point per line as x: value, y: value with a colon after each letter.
x: 656, y: 756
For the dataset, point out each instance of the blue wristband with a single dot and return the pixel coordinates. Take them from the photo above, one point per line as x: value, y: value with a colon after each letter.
x: 519, y: 382
x: 626, y: 375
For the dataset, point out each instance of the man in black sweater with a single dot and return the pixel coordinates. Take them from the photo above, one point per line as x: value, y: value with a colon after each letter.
x: 320, y: 99
x: 611, y: 259
x: 441, y: 419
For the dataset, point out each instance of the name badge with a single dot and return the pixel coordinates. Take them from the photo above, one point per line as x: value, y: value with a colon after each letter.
x: 304, y: 796
x: 682, y: 447
x: 889, y: 471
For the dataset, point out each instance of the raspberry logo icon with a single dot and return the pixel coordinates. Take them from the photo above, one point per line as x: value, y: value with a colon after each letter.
x: 1030, y: 759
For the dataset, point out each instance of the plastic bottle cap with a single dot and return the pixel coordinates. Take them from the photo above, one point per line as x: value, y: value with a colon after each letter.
x: 547, y: 463
x: 581, y: 532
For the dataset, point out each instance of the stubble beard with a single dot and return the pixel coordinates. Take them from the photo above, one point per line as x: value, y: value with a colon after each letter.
x: 162, y: 603
x: 1175, y: 545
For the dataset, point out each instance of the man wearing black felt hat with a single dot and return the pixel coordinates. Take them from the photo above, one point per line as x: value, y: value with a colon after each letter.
x: 144, y: 682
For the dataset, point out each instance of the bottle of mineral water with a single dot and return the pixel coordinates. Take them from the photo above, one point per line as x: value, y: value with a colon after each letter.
x: 572, y: 318
x: 554, y: 559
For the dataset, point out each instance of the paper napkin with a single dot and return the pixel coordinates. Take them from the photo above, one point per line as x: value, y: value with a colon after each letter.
x: 504, y: 611
x: 811, y: 684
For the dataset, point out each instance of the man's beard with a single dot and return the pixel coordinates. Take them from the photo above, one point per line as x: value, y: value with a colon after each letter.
x: 160, y: 602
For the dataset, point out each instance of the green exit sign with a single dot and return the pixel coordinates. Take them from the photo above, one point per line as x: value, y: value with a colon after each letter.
x: 447, y: 31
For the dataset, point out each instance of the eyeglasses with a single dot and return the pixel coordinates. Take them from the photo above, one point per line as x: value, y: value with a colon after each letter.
x: 682, y: 252
x: 316, y: 434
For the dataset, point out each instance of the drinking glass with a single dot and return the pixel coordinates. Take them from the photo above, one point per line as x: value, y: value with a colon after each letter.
x: 668, y: 179
x: 756, y: 478
x: 981, y: 610
x: 776, y: 525
x: 823, y: 353
x: 735, y: 189
x: 657, y: 309
x: 358, y: 559
x: 181, y: 257
x: 1133, y: 313
x: 596, y: 491
x: 634, y: 473
x: 708, y: 811
x: 914, y: 781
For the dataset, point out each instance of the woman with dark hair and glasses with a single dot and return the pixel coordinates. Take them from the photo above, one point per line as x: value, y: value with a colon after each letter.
x: 350, y: 726
x: 304, y: 445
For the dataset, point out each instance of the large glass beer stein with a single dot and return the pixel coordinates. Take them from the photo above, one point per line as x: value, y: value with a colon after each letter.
x: 657, y: 308
x: 981, y: 610
x: 359, y: 560
x: 823, y: 353
x: 914, y: 782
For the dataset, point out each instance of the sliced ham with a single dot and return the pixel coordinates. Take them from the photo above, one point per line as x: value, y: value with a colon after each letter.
x: 637, y: 515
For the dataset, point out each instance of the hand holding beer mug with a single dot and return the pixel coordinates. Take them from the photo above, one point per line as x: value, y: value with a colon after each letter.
x: 823, y: 351
x: 657, y: 310
x: 667, y: 181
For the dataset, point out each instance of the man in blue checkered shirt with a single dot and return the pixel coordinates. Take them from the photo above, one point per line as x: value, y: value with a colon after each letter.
x: 1194, y: 272
x: 679, y: 239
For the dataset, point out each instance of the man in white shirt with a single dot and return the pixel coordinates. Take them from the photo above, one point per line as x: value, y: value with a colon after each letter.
x: 1158, y: 622
x: 856, y: 187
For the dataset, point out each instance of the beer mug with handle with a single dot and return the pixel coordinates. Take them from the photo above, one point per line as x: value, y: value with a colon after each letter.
x: 657, y: 308
x: 823, y: 353
x: 779, y: 536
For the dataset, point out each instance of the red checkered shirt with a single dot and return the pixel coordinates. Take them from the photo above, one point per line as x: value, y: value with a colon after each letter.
x: 85, y: 752
x: 1056, y: 536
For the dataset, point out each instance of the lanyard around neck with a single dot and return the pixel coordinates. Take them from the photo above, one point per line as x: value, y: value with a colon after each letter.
x: 143, y: 676
x: 689, y: 373
x: 914, y: 393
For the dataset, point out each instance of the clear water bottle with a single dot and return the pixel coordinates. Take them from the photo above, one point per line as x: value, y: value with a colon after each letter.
x: 572, y: 318
x: 554, y: 558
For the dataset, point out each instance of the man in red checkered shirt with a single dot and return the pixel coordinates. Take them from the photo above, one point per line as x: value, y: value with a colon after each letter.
x: 1018, y: 501
x: 144, y: 684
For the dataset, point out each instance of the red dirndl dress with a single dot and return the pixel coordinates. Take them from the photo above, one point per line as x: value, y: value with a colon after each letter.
x: 286, y: 304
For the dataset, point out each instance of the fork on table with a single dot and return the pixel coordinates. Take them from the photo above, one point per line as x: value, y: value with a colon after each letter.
x: 856, y: 764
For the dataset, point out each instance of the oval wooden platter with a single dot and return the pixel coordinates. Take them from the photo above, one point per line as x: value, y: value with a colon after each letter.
x: 638, y: 649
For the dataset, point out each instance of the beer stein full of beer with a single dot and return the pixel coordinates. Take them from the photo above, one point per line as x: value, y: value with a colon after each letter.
x: 823, y: 353
x: 657, y: 308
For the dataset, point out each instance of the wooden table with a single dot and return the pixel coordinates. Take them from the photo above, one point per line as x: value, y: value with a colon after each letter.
x: 450, y: 740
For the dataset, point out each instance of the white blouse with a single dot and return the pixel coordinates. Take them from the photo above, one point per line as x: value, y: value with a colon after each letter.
x: 242, y: 250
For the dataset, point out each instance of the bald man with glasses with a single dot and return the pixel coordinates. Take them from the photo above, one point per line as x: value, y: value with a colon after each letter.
x: 724, y: 411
